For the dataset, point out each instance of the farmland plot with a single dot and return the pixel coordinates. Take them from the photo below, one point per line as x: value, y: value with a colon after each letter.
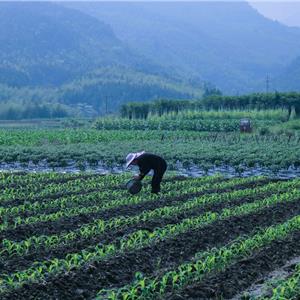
x: 83, y: 237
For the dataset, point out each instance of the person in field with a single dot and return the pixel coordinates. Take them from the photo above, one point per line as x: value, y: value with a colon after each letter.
x: 146, y: 162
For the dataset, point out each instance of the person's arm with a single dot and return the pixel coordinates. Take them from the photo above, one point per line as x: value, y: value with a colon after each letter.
x: 143, y: 172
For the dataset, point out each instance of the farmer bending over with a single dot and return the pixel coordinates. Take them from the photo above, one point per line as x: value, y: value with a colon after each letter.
x: 147, y: 162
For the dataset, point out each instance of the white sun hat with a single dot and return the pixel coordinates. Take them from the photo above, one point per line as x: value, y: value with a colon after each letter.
x: 131, y: 157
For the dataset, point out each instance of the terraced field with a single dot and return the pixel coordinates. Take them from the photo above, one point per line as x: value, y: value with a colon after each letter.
x: 82, y: 236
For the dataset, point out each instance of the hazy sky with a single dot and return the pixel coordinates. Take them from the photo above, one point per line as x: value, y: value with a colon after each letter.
x: 287, y: 12
x: 284, y: 11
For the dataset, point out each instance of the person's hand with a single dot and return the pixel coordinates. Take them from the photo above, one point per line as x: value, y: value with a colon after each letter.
x: 137, y: 177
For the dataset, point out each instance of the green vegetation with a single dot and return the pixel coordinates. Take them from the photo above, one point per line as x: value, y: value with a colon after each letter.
x: 72, y: 226
x: 17, y: 111
x: 228, y: 53
x: 207, y: 121
x: 58, y: 147
x: 189, y: 136
x: 99, y: 93
x: 256, y: 106
x: 287, y: 289
x: 259, y: 101
x: 78, y: 93
x: 204, y: 263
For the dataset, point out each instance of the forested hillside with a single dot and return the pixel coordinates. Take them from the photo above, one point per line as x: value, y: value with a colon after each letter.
x: 93, y: 57
x: 227, y: 43
x: 96, y: 93
x: 289, y: 79
x: 47, y: 44
x: 56, y: 54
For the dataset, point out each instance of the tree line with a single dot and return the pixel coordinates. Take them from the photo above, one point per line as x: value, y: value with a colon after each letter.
x: 259, y: 101
x: 18, y: 111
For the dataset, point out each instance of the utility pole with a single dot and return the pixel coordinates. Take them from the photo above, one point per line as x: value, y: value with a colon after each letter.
x: 106, y: 110
x: 267, y: 83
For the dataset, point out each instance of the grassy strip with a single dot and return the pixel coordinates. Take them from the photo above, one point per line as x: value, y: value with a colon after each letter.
x: 203, y: 263
x: 71, y: 212
x: 134, y: 241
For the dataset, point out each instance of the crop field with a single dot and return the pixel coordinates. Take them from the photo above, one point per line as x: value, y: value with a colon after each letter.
x: 206, y: 149
x: 82, y: 236
x: 208, y: 139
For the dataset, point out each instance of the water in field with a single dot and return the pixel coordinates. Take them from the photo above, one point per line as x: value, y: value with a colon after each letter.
x: 244, y: 171
x: 191, y: 170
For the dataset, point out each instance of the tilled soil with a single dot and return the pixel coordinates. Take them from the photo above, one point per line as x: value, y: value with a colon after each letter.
x: 263, y: 285
x: 120, y: 269
x: 242, y: 274
x: 56, y: 196
x: 54, y: 180
x: 62, y: 250
x: 71, y: 223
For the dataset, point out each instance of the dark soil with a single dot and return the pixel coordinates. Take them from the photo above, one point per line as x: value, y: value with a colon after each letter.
x: 52, y: 196
x: 56, y: 196
x: 11, y: 265
x: 120, y: 269
x: 242, y: 274
x: 67, y: 223
x: 51, y: 181
x: 61, y: 194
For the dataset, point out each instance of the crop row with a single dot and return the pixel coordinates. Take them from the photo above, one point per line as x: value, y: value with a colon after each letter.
x: 137, y: 240
x: 268, y: 114
x: 34, y: 192
x: 87, y: 136
x: 99, y: 226
x: 30, y: 180
x: 37, y: 192
x: 71, y: 212
x: 287, y: 289
x: 211, y: 125
x: 35, y: 186
x: 204, y: 263
x: 100, y: 197
x: 48, y: 137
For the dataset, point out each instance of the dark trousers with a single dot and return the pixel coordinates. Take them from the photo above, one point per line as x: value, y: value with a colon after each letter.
x: 157, y: 178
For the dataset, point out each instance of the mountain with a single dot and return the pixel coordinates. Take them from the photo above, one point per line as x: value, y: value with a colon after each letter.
x: 227, y: 43
x: 101, y: 90
x: 88, y: 53
x: 289, y: 79
x: 50, y: 52
x: 48, y: 44
x: 119, y: 85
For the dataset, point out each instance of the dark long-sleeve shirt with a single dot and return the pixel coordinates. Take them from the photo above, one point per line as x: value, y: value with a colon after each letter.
x: 147, y: 162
